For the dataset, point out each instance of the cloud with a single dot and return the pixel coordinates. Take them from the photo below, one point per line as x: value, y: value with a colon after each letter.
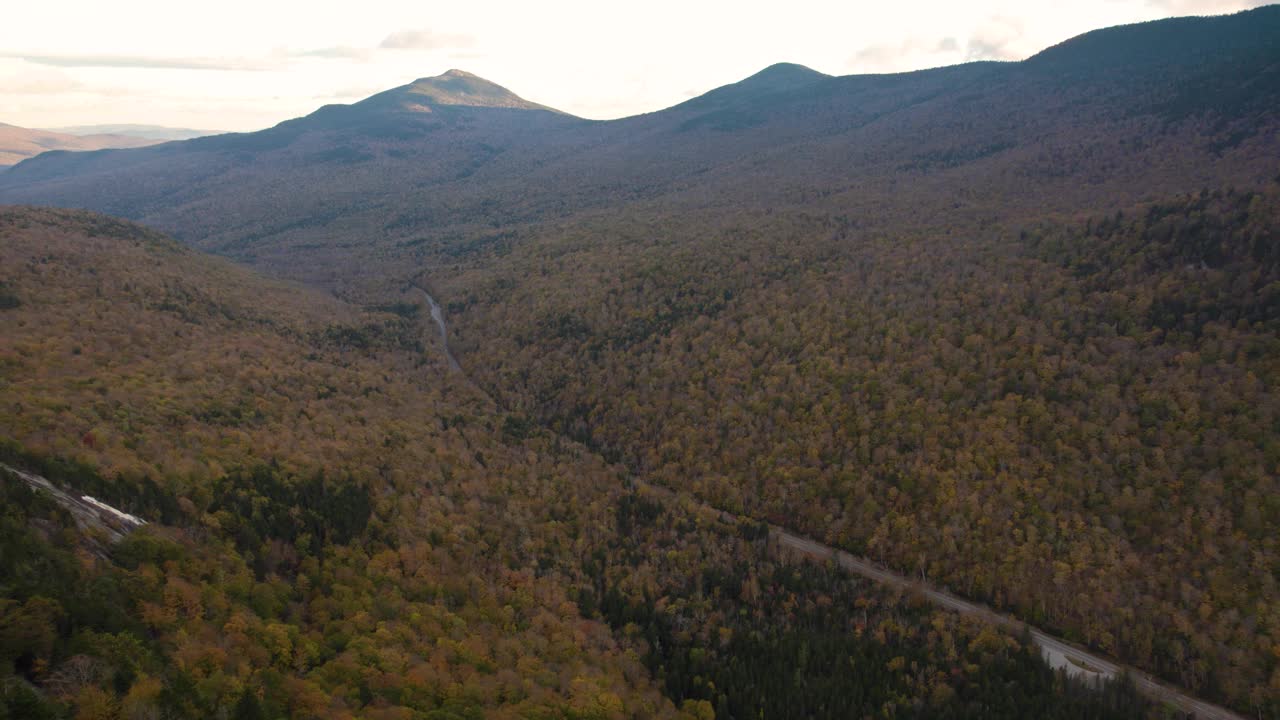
x: 461, y: 44
x: 39, y: 82
x: 352, y: 91
x: 425, y: 40
x: 909, y: 53
x: 993, y: 38
x: 996, y: 39
x: 140, y: 61
x: 883, y: 54
x: 338, y: 52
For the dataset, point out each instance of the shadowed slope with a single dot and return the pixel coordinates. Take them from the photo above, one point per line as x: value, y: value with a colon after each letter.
x: 1109, y: 118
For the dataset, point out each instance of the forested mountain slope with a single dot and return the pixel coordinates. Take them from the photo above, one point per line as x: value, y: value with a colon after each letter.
x: 308, y: 173
x: 340, y: 527
x: 322, y: 497
x: 1112, y: 118
x: 1076, y: 422
x: 1011, y: 326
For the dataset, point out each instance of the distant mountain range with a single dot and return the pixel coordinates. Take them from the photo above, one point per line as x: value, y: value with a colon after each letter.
x: 146, y: 132
x: 18, y: 143
x: 1177, y: 103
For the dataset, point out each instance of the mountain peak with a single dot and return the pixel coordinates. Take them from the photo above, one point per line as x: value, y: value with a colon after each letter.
x: 452, y: 88
x: 783, y: 75
x: 777, y: 78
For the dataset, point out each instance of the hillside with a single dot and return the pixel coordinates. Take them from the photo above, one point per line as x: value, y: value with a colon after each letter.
x: 1075, y: 423
x: 18, y: 144
x: 340, y: 527
x: 292, y: 453
x: 1010, y: 327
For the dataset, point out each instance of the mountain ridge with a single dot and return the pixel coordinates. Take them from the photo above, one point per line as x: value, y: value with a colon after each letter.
x: 149, y: 132
x: 859, y: 129
x: 1189, y: 39
x: 19, y: 143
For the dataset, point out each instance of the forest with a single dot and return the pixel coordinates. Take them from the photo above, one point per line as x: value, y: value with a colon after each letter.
x: 1072, y: 419
x: 1008, y: 328
x: 329, y: 549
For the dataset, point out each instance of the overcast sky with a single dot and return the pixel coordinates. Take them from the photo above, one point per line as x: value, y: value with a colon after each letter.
x: 248, y: 64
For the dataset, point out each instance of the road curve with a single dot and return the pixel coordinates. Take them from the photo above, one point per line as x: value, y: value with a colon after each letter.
x: 437, y: 315
x: 1085, y: 662
x: 1076, y: 660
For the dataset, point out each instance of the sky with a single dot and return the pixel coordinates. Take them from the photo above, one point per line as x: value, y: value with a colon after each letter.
x: 248, y: 64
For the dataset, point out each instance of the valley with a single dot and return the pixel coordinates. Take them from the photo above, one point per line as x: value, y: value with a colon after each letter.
x: 931, y: 394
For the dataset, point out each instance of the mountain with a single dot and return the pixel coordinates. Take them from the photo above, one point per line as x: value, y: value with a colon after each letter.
x: 18, y: 144
x: 158, y: 133
x: 1010, y: 327
x: 779, y: 78
x: 429, y: 133
x: 454, y: 88
x: 1069, y: 128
